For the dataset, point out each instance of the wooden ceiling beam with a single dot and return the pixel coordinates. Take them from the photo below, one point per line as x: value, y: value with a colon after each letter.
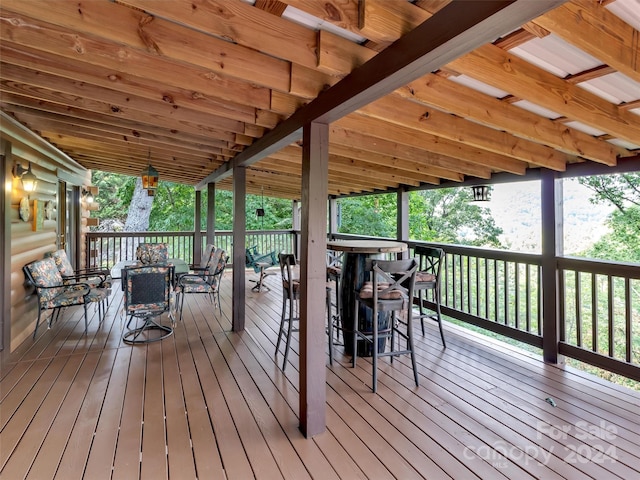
x: 468, y: 103
x: 435, y: 122
x: 453, y: 31
x: 500, y: 69
x: 115, y: 148
x: 388, y: 152
x: 69, y: 125
x: 589, y: 26
x: 431, y: 149
x: 138, y: 128
x: 350, y: 169
x: 40, y: 35
x: 118, y: 111
x: 486, y: 64
x: 149, y: 88
x: 150, y: 37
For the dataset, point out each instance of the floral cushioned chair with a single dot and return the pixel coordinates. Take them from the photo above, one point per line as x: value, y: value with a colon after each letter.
x: 54, y: 294
x: 147, y: 297
x: 209, y: 282
x: 152, y: 253
x: 94, y: 277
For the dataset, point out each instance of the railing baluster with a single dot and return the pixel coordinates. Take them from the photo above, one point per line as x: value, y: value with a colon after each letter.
x: 594, y: 310
x: 628, y: 306
x: 611, y: 313
x: 517, y: 295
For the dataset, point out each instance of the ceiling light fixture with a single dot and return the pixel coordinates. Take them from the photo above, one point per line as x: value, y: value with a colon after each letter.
x: 150, y: 178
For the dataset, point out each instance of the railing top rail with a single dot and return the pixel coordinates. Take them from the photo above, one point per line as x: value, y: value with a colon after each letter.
x: 139, y: 234
x: 608, y: 267
x: 179, y: 234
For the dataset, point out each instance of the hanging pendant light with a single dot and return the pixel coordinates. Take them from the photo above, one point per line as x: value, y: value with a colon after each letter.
x: 150, y: 178
x: 260, y: 211
x: 480, y: 193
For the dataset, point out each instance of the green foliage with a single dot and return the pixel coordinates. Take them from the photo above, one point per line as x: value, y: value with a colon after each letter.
x: 114, y: 195
x: 441, y: 215
x: 173, y: 208
x: 447, y: 215
x: 623, y: 191
x: 277, y: 212
x: 373, y: 215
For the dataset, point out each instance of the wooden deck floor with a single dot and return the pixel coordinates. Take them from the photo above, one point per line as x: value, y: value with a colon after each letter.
x: 210, y: 404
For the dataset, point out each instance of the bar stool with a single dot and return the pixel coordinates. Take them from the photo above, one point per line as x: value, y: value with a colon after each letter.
x: 290, y: 301
x: 334, y: 274
x: 389, y: 290
x: 291, y: 304
x: 430, y: 260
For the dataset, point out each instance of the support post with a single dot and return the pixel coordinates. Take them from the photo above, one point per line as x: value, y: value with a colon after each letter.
x: 313, y: 338
x: 402, y: 220
x: 211, y: 213
x: 333, y: 215
x: 295, y: 224
x: 239, y: 247
x: 5, y: 249
x: 552, y: 247
x: 197, y: 230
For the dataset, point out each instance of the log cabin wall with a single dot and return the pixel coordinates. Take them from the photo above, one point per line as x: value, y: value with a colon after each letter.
x: 30, y: 239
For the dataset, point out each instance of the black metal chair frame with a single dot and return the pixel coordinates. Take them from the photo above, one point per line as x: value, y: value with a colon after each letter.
x: 388, y: 278
x: 147, y: 296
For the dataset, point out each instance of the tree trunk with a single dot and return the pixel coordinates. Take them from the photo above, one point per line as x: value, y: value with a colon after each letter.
x: 139, y: 210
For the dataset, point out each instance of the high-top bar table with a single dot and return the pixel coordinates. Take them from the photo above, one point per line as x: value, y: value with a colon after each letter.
x: 353, y: 274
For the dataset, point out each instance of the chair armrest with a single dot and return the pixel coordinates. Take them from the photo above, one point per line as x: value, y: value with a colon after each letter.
x: 92, y: 271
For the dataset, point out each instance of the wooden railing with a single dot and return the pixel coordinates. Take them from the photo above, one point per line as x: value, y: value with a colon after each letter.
x: 600, y: 312
x: 105, y: 249
x: 598, y: 302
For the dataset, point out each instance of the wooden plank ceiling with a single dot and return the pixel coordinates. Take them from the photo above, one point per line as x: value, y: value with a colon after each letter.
x: 190, y: 84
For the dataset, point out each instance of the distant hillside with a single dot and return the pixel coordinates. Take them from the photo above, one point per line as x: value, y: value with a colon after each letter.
x: 516, y: 209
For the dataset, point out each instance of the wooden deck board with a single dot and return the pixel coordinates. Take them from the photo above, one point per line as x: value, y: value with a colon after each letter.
x: 95, y: 408
x: 54, y: 445
x: 210, y: 403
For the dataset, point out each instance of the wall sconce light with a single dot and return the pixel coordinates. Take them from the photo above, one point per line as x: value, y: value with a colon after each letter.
x: 480, y: 193
x: 87, y: 195
x: 150, y: 178
x: 29, y: 180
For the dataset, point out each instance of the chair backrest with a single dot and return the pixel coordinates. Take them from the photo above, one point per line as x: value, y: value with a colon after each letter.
x: 45, y: 273
x: 253, y: 258
x: 290, y: 275
x: 430, y: 259
x: 250, y: 254
x: 216, y: 266
x: 206, y: 255
x: 147, y: 289
x: 62, y: 262
x: 334, y: 261
x: 391, y: 279
x: 152, y: 253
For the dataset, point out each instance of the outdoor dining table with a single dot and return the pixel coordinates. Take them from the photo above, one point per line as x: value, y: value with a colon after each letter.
x: 353, y: 276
